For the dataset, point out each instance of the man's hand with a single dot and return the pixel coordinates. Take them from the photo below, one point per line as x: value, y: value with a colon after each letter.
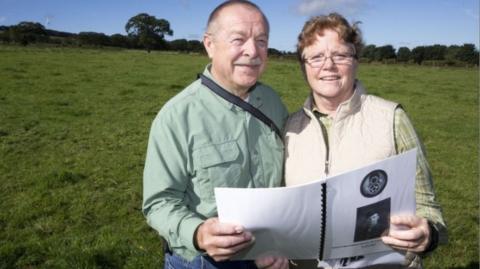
x: 413, y: 236
x: 222, y: 240
x: 272, y: 262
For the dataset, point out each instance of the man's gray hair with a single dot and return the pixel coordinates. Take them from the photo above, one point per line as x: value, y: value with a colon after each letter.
x: 215, y: 13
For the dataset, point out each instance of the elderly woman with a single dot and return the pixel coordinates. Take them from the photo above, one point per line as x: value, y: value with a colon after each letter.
x: 341, y: 127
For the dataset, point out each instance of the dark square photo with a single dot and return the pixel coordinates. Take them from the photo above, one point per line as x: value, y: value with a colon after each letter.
x: 372, y: 220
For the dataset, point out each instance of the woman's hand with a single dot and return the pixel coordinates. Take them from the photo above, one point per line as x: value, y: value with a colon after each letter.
x: 413, y: 233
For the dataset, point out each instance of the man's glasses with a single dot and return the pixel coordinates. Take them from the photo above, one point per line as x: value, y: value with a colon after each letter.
x: 336, y: 57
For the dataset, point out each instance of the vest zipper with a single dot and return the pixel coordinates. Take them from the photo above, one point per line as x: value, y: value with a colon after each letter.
x: 327, y: 147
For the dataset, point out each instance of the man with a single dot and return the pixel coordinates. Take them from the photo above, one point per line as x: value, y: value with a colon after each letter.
x: 199, y: 141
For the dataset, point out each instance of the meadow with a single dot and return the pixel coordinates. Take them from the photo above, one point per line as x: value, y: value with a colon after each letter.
x: 74, y: 125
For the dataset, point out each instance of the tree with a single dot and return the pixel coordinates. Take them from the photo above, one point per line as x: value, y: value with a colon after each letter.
x: 118, y: 40
x: 186, y: 45
x: 27, y: 32
x: 403, y: 54
x: 384, y: 52
x: 148, y: 30
x: 93, y: 38
x: 467, y: 53
x: 195, y: 46
x: 368, y: 52
x: 179, y: 45
x: 274, y: 52
x: 436, y: 52
x: 451, y: 54
x: 4, y: 34
x: 418, y: 54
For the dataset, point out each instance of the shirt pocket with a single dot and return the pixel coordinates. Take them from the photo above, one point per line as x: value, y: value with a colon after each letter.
x: 216, y: 165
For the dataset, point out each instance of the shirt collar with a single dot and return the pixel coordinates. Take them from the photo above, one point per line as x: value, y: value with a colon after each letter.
x: 253, y: 97
x: 315, y: 110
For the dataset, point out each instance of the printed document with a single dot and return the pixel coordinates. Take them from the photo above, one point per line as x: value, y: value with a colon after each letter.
x: 340, y: 216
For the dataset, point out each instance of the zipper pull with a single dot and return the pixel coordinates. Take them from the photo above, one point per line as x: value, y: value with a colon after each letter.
x: 326, y: 167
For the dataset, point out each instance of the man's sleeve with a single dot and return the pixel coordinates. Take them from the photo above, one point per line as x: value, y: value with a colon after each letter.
x: 405, y: 139
x: 165, y: 178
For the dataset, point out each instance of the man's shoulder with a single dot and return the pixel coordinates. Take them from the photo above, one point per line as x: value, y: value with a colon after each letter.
x: 178, y: 105
x: 266, y: 91
x: 271, y: 99
x: 182, y: 99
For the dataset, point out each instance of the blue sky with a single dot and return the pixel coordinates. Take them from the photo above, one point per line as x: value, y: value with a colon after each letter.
x: 399, y: 23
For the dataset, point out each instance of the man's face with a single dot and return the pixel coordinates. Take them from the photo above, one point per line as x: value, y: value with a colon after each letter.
x: 237, y: 43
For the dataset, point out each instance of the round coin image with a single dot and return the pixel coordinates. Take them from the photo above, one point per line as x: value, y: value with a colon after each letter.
x: 373, y: 183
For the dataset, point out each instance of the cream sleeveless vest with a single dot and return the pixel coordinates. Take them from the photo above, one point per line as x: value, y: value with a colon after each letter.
x: 361, y: 133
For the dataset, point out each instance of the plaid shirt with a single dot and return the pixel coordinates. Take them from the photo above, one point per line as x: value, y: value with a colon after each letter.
x: 405, y: 139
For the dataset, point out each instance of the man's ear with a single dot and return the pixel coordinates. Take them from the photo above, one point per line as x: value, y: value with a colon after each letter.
x: 209, y: 45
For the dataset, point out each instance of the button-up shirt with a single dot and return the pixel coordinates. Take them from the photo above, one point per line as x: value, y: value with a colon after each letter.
x: 199, y: 141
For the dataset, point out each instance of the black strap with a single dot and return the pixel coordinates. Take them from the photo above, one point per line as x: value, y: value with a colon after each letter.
x: 166, y: 248
x: 239, y: 102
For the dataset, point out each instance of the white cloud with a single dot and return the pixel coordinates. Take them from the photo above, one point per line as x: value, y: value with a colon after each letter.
x: 317, y: 7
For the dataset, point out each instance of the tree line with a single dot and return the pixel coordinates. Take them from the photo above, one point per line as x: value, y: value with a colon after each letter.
x: 147, y: 32
x: 143, y: 32
x: 427, y: 55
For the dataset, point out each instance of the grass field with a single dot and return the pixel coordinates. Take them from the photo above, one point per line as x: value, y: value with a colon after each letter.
x: 73, y: 130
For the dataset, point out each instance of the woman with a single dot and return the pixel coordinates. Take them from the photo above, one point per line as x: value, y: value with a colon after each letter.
x: 341, y: 127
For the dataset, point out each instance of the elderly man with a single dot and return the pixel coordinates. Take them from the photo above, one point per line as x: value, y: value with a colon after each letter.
x: 201, y: 140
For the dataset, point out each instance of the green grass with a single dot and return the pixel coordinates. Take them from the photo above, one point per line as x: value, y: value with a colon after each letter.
x: 73, y: 130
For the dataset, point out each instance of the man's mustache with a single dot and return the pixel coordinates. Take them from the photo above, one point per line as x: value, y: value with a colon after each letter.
x: 255, y: 61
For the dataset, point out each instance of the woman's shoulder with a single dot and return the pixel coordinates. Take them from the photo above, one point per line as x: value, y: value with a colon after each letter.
x: 296, y: 121
x: 379, y: 102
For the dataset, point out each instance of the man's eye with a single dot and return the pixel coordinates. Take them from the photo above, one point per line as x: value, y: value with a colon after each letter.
x: 262, y: 43
x: 237, y: 41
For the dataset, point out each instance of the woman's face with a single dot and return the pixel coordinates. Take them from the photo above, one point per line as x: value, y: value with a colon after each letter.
x: 330, y: 68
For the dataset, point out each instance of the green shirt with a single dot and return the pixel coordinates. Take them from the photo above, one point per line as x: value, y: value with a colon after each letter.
x: 199, y: 141
x: 405, y: 139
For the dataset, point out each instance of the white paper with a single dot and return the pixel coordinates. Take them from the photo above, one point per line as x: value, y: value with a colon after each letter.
x: 283, y: 220
x: 287, y: 220
x: 346, y: 200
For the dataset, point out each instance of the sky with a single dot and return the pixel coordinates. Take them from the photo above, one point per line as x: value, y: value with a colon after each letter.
x: 401, y: 23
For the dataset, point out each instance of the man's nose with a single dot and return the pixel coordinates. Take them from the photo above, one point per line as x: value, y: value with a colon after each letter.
x: 250, y: 48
